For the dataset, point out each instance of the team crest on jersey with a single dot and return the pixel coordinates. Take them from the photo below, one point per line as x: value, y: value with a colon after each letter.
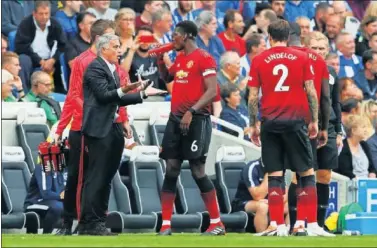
x: 190, y: 64
x: 181, y: 74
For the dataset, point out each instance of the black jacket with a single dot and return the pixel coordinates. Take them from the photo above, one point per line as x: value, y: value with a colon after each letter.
x: 345, y: 160
x: 26, y: 33
x: 101, y: 99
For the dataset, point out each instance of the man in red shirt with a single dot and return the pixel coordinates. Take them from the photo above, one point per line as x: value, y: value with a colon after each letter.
x: 232, y: 41
x: 72, y: 112
x: 286, y: 80
x: 188, y: 131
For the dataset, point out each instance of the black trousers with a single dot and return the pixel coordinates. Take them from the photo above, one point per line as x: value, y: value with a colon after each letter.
x: 104, y: 156
x: 71, y: 187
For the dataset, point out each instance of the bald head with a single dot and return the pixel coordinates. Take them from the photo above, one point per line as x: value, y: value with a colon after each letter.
x: 340, y: 8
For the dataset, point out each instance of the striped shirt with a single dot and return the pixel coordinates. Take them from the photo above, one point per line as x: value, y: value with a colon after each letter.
x: 178, y: 18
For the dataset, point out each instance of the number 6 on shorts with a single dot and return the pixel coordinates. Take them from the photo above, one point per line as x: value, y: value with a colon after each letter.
x: 194, y: 146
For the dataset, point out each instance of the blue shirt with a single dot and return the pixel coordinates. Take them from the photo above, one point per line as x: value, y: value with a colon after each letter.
x: 369, y: 91
x: 248, y: 7
x: 167, y: 39
x: 237, y: 117
x: 178, y: 18
x: 304, y: 8
x: 68, y: 24
x: 215, y: 47
x: 245, y: 65
x: 349, y: 67
x: 219, y: 16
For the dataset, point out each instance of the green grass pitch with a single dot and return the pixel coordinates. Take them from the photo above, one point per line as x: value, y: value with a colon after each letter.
x: 184, y: 240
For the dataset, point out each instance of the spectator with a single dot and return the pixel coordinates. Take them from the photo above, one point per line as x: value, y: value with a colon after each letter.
x: 340, y: 8
x: 373, y: 42
x: 137, y: 61
x: 137, y: 6
x: 254, y: 46
x: 252, y: 192
x: 332, y: 59
x: 67, y: 17
x: 233, y: 111
x: 125, y: 27
x: 229, y: 73
x: 262, y: 20
x: 350, y: 63
x: 12, y: 13
x: 245, y: 8
x: 10, y: 67
x: 232, y: 41
x: 372, y: 143
x: 348, y: 89
x: 278, y: 6
x: 207, y: 39
x: 365, y: 78
x: 371, y: 9
x: 46, y: 190
x: 183, y: 12
x: 39, y: 41
x: 211, y: 6
x: 41, y: 87
x: 4, y: 44
x: 101, y: 9
x: 145, y: 19
x: 351, y: 106
x: 304, y: 24
x: 355, y: 160
x: 6, y: 92
x: 322, y: 13
x: 260, y: 6
x: 367, y: 28
x: 334, y: 26
x: 369, y: 113
x: 81, y: 42
x: 294, y: 9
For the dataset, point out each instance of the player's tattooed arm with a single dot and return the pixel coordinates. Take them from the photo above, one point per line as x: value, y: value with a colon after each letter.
x: 253, y: 105
x: 312, y: 99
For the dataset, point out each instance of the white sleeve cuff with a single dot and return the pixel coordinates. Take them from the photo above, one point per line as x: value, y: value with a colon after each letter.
x: 120, y: 93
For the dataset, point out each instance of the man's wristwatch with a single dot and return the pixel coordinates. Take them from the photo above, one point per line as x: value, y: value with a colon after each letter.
x: 192, y: 111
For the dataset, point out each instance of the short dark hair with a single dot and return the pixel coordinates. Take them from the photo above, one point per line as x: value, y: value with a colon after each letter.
x: 253, y: 41
x: 279, y: 30
x: 188, y: 28
x: 373, y: 34
x: 322, y: 6
x: 38, y: 4
x: 99, y: 27
x: 368, y: 56
x: 4, y: 37
x: 145, y: 28
x: 368, y: 20
x: 227, y: 90
x: 81, y: 16
x: 230, y: 16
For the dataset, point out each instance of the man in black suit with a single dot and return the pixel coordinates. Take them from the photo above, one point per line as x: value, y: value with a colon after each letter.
x: 103, y: 138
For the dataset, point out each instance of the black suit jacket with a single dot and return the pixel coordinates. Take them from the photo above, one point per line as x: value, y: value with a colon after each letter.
x: 101, y: 99
x: 345, y: 160
x: 25, y: 35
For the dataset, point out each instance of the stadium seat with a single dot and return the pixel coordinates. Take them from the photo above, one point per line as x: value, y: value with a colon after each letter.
x: 157, y: 125
x: 32, y: 130
x: 230, y: 160
x: 11, y: 40
x: 120, y: 214
x: 15, y: 181
x: 146, y: 179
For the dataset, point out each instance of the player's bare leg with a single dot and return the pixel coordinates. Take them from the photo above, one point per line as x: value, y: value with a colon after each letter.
x: 169, y: 188
x: 276, y: 190
x: 260, y: 208
x: 209, y: 197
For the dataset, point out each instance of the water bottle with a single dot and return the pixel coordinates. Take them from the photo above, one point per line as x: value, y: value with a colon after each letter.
x: 351, y: 233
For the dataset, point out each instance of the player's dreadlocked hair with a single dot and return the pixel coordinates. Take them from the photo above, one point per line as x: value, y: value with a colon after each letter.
x: 189, y: 28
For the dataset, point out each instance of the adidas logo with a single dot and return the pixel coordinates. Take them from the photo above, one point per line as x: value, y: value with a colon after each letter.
x: 303, y: 193
x: 274, y: 193
x: 217, y: 230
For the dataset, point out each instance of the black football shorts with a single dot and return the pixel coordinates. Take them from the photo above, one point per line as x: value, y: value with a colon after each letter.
x: 192, y: 146
x: 291, y: 148
x: 327, y: 156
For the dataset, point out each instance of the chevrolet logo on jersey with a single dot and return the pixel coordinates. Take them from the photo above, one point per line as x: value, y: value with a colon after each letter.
x: 181, y: 74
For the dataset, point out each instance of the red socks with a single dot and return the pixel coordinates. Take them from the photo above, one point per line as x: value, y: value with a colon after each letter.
x: 307, y: 199
x: 210, y: 200
x: 167, y: 204
x: 276, y: 199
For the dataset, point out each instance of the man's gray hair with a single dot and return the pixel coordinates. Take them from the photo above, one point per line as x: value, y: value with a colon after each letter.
x: 228, y: 57
x: 103, y: 42
x: 36, y: 77
x: 204, y: 18
x: 299, y: 18
x: 158, y: 15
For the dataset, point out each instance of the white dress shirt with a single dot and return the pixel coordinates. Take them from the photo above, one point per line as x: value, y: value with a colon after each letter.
x: 39, y: 44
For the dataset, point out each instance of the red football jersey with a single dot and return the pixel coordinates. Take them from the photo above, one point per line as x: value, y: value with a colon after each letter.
x: 281, y: 73
x: 189, y: 73
x: 320, y: 72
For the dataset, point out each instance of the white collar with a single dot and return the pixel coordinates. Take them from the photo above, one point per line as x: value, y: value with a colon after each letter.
x: 354, y: 58
x: 111, y: 66
x: 37, y: 26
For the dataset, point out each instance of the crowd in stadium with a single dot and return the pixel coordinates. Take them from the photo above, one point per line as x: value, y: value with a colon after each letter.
x: 41, y: 39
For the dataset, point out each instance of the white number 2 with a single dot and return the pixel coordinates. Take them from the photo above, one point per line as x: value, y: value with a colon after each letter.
x: 279, y: 86
x: 194, y: 146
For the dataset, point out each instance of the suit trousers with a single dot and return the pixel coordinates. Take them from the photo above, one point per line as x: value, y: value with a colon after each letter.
x: 104, y: 155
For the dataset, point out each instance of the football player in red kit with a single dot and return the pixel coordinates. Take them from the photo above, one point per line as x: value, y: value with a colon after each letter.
x: 287, y: 84
x: 188, y: 131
